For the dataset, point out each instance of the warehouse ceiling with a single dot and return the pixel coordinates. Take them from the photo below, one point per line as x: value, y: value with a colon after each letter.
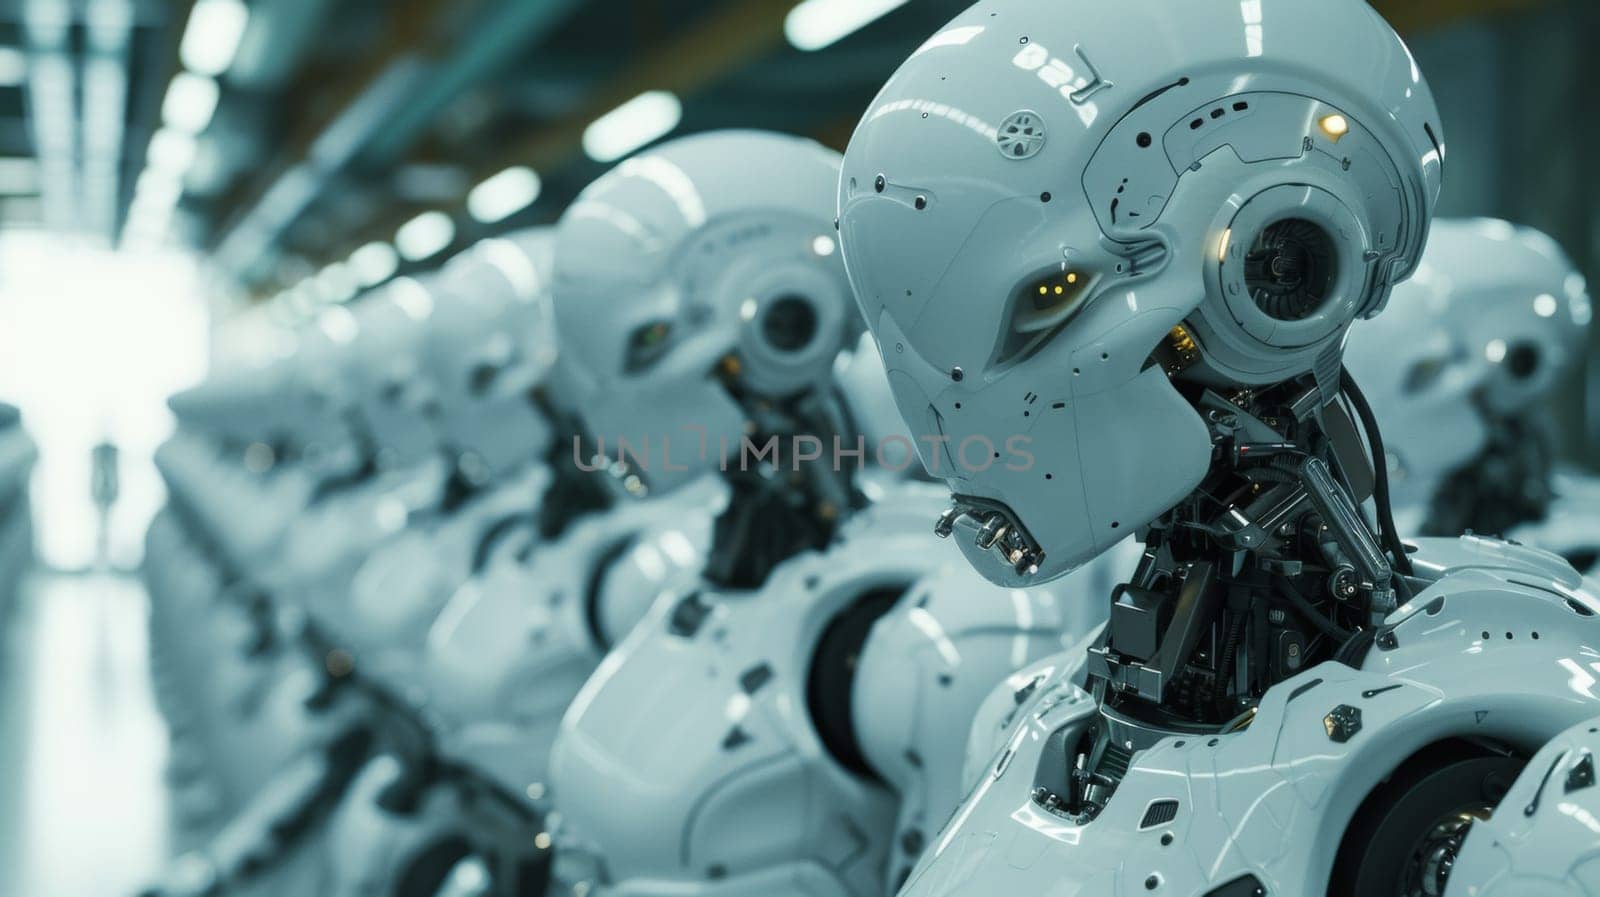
x: 298, y: 143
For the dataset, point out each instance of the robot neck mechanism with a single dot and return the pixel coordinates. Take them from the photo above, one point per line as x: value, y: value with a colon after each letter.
x: 573, y: 492
x: 1508, y: 484
x: 783, y: 505
x: 1268, y: 568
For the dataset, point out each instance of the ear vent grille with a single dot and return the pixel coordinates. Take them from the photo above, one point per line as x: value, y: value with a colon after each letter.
x: 1159, y: 813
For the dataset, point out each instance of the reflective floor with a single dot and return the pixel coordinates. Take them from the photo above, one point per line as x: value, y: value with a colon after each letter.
x: 83, y: 807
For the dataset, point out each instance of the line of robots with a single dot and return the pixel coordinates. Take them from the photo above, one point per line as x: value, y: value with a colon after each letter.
x: 17, y: 457
x: 546, y: 573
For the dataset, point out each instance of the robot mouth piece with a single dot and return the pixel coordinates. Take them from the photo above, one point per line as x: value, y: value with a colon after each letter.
x: 991, y: 528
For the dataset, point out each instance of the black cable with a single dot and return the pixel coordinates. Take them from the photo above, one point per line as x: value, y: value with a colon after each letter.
x: 1380, y: 467
x: 1326, y: 626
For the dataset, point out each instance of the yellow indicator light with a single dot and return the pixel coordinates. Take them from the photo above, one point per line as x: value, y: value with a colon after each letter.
x: 1222, y: 245
x: 1060, y: 289
x: 1334, y: 126
x: 1043, y: 289
x: 1072, y: 277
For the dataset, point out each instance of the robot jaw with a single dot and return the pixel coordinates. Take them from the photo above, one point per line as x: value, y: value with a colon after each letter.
x: 993, y: 540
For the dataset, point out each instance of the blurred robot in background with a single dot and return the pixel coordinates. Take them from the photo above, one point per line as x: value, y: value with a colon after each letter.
x: 17, y: 457
x: 791, y: 722
x: 1461, y: 370
x: 1139, y: 234
x: 453, y: 445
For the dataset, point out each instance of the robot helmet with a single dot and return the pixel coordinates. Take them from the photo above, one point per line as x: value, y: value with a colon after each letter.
x: 490, y: 343
x: 1056, y: 213
x: 1486, y: 327
x: 704, y: 270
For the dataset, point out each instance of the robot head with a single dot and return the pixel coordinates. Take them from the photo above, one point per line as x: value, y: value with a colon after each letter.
x: 1482, y: 332
x: 694, y: 285
x: 490, y: 343
x: 382, y: 367
x: 1059, y: 216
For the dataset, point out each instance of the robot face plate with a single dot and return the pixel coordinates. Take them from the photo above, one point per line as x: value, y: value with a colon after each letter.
x: 705, y: 268
x: 1051, y: 214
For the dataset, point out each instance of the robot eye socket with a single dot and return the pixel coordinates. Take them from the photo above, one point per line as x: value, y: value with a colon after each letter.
x: 482, y: 378
x: 789, y: 324
x: 647, y: 345
x: 1041, y: 305
x: 1523, y: 361
x: 1290, y: 269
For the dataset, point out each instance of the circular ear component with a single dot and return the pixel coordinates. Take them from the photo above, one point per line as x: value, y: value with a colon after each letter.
x: 1293, y: 266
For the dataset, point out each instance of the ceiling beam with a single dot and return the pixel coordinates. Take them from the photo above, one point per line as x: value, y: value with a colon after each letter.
x: 739, y: 33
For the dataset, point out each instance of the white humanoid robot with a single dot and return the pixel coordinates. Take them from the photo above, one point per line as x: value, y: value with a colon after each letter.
x: 460, y: 382
x: 18, y: 453
x: 1460, y: 372
x: 482, y: 662
x: 1137, y: 234
x: 790, y: 722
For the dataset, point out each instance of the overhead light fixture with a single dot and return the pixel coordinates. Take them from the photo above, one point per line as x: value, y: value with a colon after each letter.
x: 157, y: 188
x: 190, y: 103
x: 336, y: 283
x: 339, y: 325
x: 647, y: 117
x: 374, y: 263
x: 212, y: 37
x: 171, y: 152
x: 425, y: 236
x: 504, y: 195
x: 13, y: 67
x: 815, y: 24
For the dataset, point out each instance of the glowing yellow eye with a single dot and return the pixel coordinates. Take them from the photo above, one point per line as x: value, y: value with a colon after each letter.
x: 1060, y: 290
x: 1072, y: 277
x: 1043, y: 289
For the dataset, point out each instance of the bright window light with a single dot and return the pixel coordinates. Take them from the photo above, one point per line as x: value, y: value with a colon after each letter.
x: 425, y: 236
x: 374, y: 263
x: 191, y: 101
x: 171, y: 152
x: 647, y: 117
x: 212, y: 38
x: 13, y: 67
x: 815, y: 24
x: 19, y: 175
x: 504, y: 195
